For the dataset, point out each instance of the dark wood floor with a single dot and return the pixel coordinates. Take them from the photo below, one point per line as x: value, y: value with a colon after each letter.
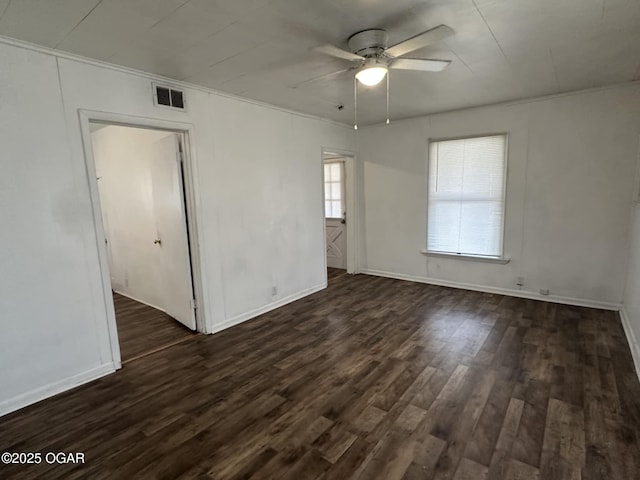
x: 370, y: 378
x: 143, y: 329
x: 334, y: 274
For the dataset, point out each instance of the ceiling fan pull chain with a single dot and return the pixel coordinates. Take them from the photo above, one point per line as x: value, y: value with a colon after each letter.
x: 355, y: 103
x: 388, y: 98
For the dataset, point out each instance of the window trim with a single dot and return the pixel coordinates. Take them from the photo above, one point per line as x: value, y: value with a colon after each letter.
x: 462, y: 256
x: 466, y: 256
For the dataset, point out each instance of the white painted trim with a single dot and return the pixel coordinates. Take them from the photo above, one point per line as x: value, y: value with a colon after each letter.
x: 470, y: 258
x: 631, y: 339
x: 192, y: 195
x: 103, y: 256
x: 131, y: 297
x: 351, y: 203
x: 14, y: 42
x: 33, y: 396
x: 243, y: 317
x: 579, y: 302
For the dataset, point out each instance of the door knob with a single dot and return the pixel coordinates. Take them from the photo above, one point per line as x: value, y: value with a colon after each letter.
x: 157, y: 241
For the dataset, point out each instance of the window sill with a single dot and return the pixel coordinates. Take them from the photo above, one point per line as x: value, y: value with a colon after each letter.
x: 471, y: 258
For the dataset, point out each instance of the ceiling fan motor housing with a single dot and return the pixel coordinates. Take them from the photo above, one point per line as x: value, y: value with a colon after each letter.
x: 368, y: 43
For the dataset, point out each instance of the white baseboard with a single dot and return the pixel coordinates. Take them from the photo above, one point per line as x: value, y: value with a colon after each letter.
x: 33, y: 396
x: 131, y: 297
x: 267, y: 308
x: 497, y: 290
x: 631, y: 339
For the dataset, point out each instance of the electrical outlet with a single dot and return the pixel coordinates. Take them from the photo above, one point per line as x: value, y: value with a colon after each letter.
x: 520, y: 281
x: 544, y: 291
x: 274, y: 291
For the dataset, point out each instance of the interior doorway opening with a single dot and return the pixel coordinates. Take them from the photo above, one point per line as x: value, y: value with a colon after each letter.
x: 140, y: 179
x: 338, y: 172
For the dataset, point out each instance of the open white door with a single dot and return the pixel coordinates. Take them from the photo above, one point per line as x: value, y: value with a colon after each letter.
x: 172, y: 239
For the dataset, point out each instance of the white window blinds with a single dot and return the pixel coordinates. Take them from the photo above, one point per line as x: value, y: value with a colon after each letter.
x: 466, y: 196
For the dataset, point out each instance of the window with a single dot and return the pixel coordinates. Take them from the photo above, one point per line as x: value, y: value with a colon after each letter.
x: 333, y: 190
x: 466, y: 196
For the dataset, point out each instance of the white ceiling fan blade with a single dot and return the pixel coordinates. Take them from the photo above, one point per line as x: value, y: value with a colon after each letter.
x: 421, y: 40
x: 419, y: 64
x: 326, y: 76
x: 337, y: 52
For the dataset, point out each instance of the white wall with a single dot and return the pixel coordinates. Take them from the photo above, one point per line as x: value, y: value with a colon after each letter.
x: 631, y: 302
x: 258, y: 206
x: 571, y: 166
x: 123, y: 158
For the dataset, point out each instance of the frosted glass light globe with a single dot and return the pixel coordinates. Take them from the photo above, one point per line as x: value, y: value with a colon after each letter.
x: 372, y: 75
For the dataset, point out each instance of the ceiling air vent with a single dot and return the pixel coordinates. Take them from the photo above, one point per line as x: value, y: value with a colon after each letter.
x: 168, y: 97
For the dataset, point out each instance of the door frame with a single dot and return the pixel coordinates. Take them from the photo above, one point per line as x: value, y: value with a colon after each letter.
x: 186, y: 133
x: 353, y: 215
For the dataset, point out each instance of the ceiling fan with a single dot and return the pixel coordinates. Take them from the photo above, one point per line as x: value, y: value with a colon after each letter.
x: 372, y: 58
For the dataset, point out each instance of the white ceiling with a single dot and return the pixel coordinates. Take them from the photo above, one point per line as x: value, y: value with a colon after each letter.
x: 502, y: 49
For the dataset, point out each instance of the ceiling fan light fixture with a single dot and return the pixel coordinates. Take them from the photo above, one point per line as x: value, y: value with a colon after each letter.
x: 371, y: 75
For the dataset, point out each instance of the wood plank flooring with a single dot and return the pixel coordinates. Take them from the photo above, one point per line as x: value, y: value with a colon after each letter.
x: 371, y: 378
x: 143, y: 329
x: 335, y: 273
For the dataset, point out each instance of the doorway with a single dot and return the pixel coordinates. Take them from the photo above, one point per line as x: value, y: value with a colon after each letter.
x: 338, y: 176
x: 140, y: 180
